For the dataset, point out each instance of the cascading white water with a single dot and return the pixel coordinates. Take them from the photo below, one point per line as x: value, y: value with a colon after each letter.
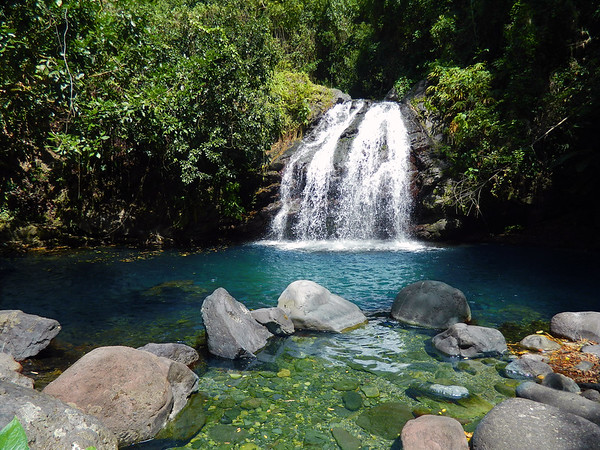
x: 335, y: 190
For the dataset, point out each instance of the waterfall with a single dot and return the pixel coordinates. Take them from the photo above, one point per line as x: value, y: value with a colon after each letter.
x: 349, y: 179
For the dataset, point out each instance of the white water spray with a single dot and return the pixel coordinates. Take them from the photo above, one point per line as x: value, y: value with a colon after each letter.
x: 361, y: 195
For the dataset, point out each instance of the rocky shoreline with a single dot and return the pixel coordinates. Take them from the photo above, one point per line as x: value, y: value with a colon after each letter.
x: 95, y: 400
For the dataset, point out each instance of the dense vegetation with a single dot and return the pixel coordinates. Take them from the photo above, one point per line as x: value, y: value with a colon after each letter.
x: 156, y: 115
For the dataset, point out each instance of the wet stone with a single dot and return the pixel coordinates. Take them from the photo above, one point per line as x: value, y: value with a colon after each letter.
x: 283, y: 373
x: 385, y: 420
x: 346, y: 385
x: 352, y: 400
x: 345, y: 440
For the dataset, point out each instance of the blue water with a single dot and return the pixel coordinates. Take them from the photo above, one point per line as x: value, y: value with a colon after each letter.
x: 109, y: 296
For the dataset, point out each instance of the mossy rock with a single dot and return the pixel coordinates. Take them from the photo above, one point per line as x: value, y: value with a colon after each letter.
x: 188, y: 422
x: 346, y: 385
x: 227, y: 433
x: 345, y: 440
x: 385, y: 420
x: 352, y: 400
x: 514, y: 332
x: 507, y: 388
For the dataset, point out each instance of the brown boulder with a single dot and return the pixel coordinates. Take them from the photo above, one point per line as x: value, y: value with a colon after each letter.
x: 133, y: 392
x: 433, y: 433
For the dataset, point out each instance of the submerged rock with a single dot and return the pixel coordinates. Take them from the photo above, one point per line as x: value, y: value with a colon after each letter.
x: 385, y: 420
x: 231, y: 330
x: 275, y: 319
x: 519, y: 423
x: 313, y: 307
x: 177, y: 352
x: 50, y: 423
x: 470, y: 341
x: 577, y: 325
x: 430, y: 432
x: 133, y: 392
x: 345, y: 440
x: 431, y: 304
x: 438, y: 391
x: 23, y: 335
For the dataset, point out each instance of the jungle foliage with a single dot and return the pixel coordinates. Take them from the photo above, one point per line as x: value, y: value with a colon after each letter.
x: 116, y: 113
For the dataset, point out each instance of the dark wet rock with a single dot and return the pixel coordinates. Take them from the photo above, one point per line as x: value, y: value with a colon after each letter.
x: 560, y: 382
x: 593, y: 349
x: 24, y: 335
x: 177, y: 352
x: 539, y: 343
x: 470, y: 341
x: 345, y: 440
x: 437, y: 391
x: 275, y: 319
x: 431, y: 304
x: 231, y: 330
x: 433, y: 432
x: 49, y: 423
x: 519, y: 423
x: 577, y: 325
x: 566, y: 401
x: 313, y: 307
x: 352, y: 400
x: 385, y: 420
x: 10, y: 370
x: 591, y: 394
x: 525, y: 368
x: 133, y: 392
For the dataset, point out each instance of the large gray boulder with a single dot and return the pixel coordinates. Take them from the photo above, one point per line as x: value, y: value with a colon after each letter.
x: 133, y: 392
x: 470, y: 341
x: 10, y: 370
x: 433, y: 433
x: 51, y: 424
x: 431, y: 304
x: 577, y: 325
x: 177, y: 352
x: 519, y: 423
x: 23, y: 335
x: 275, y: 319
x: 231, y: 330
x: 566, y: 401
x: 313, y: 307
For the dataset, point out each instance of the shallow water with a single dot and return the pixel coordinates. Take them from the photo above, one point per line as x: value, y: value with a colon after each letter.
x: 119, y: 296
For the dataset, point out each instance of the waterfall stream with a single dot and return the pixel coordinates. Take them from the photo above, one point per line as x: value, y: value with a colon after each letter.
x: 349, y: 180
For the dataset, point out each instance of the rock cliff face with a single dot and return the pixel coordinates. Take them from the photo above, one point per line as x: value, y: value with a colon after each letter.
x: 432, y: 216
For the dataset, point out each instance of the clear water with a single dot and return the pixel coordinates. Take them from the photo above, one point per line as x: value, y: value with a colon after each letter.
x: 119, y: 296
